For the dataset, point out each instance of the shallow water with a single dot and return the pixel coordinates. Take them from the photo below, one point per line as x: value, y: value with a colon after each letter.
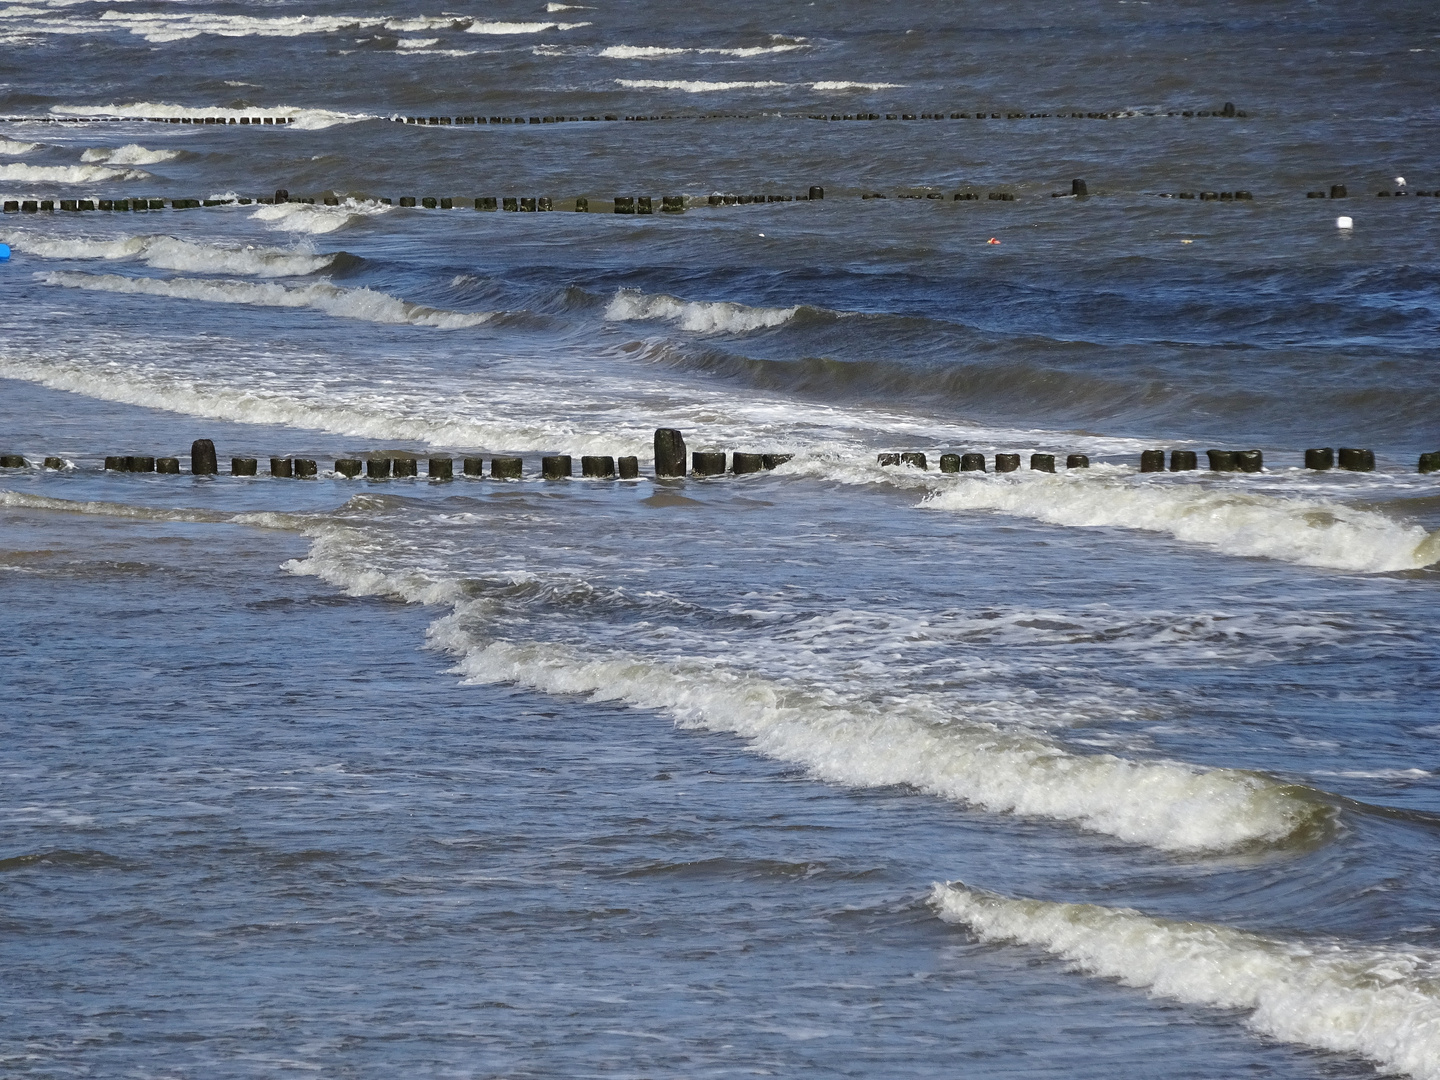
x: 840, y: 768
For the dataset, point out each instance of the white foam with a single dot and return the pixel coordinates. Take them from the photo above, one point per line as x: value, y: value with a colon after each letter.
x: 694, y: 86
x: 26, y: 501
x: 12, y: 148
x: 163, y: 27
x: 130, y: 154
x: 856, y: 86
x: 853, y: 740
x: 301, y: 119
x: 416, y: 43
x: 365, y: 304
x: 649, y: 52
x: 1222, y: 515
x: 1381, y: 1003
x: 391, y: 417
x: 504, y: 28
x: 67, y: 174
x: 552, y: 7
x: 696, y: 316
x: 1166, y: 805
x: 170, y: 253
x: 318, y: 220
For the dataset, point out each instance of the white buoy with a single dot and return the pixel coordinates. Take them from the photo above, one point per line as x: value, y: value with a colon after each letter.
x: 1343, y: 222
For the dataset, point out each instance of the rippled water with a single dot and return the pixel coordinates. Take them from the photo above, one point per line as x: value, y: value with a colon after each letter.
x: 840, y: 768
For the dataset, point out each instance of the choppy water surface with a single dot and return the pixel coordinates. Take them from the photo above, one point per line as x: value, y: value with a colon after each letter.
x: 832, y: 770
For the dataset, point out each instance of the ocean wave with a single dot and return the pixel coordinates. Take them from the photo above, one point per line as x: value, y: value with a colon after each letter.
x: 856, y: 86
x: 364, y: 304
x: 130, y: 154
x: 427, y: 22
x: 694, y: 86
x: 67, y: 174
x: 301, y: 118
x: 12, y: 148
x: 318, y: 220
x: 1308, y: 532
x: 696, y: 316
x: 170, y: 253
x: 1380, y: 1003
x: 416, y: 43
x: 1170, y: 806
x: 160, y: 28
x: 395, y: 418
x: 1167, y: 805
x: 484, y: 27
x: 648, y: 52
x: 700, y: 86
x: 101, y: 508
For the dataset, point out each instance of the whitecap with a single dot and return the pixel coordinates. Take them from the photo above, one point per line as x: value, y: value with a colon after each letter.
x: 318, y: 219
x: 12, y: 148
x: 695, y: 86
x: 822, y: 86
x: 696, y: 316
x: 1225, y: 516
x: 67, y: 174
x: 171, y: 253
x: 1381, y: 1003
x: 501, y: 28
x: 364, y: 304
x: 301, y: 119
x: 130, y: 154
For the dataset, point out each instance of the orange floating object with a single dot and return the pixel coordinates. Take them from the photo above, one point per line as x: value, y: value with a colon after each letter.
x: 992, y: 240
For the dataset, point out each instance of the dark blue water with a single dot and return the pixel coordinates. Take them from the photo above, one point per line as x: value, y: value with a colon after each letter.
x: 839, y: 768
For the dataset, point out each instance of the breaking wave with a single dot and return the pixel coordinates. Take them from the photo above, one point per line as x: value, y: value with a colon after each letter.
x: 170, y: 253
x: 1308, y: 532
x: 482, y: 27
x: 1167, y: 805
x: 12, y: 148
x: 1381, y: 1003
x: 364, y: 304
x: 67, y: 174
x: 318, y: 220
x: 696, y: 316
x: 302, y: 119
x: 695, y: 86
x: 647, y: 52
x: 131, y: 154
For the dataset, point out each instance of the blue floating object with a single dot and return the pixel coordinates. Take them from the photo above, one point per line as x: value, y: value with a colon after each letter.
x: 4, y: 252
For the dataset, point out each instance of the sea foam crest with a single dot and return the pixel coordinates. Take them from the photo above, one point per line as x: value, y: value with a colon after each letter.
x: 301, y: 119
x: 364, y: 304
x: 171, y: 253
x: 1297, y: 530
x: 1381, y: 1003
x: 318, y: 220
x: 1167, y: 805
x: 843, y: 85
x: 649, y: 52
x: 696, y: 316
x: 696, y: 86
x: 66, y: 174
x: 14, y: 148
x: 504, y: 28
x: 130, y: 154
x: 389, y: 420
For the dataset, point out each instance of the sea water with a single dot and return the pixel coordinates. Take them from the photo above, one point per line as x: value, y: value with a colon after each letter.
x: 838, y: 769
